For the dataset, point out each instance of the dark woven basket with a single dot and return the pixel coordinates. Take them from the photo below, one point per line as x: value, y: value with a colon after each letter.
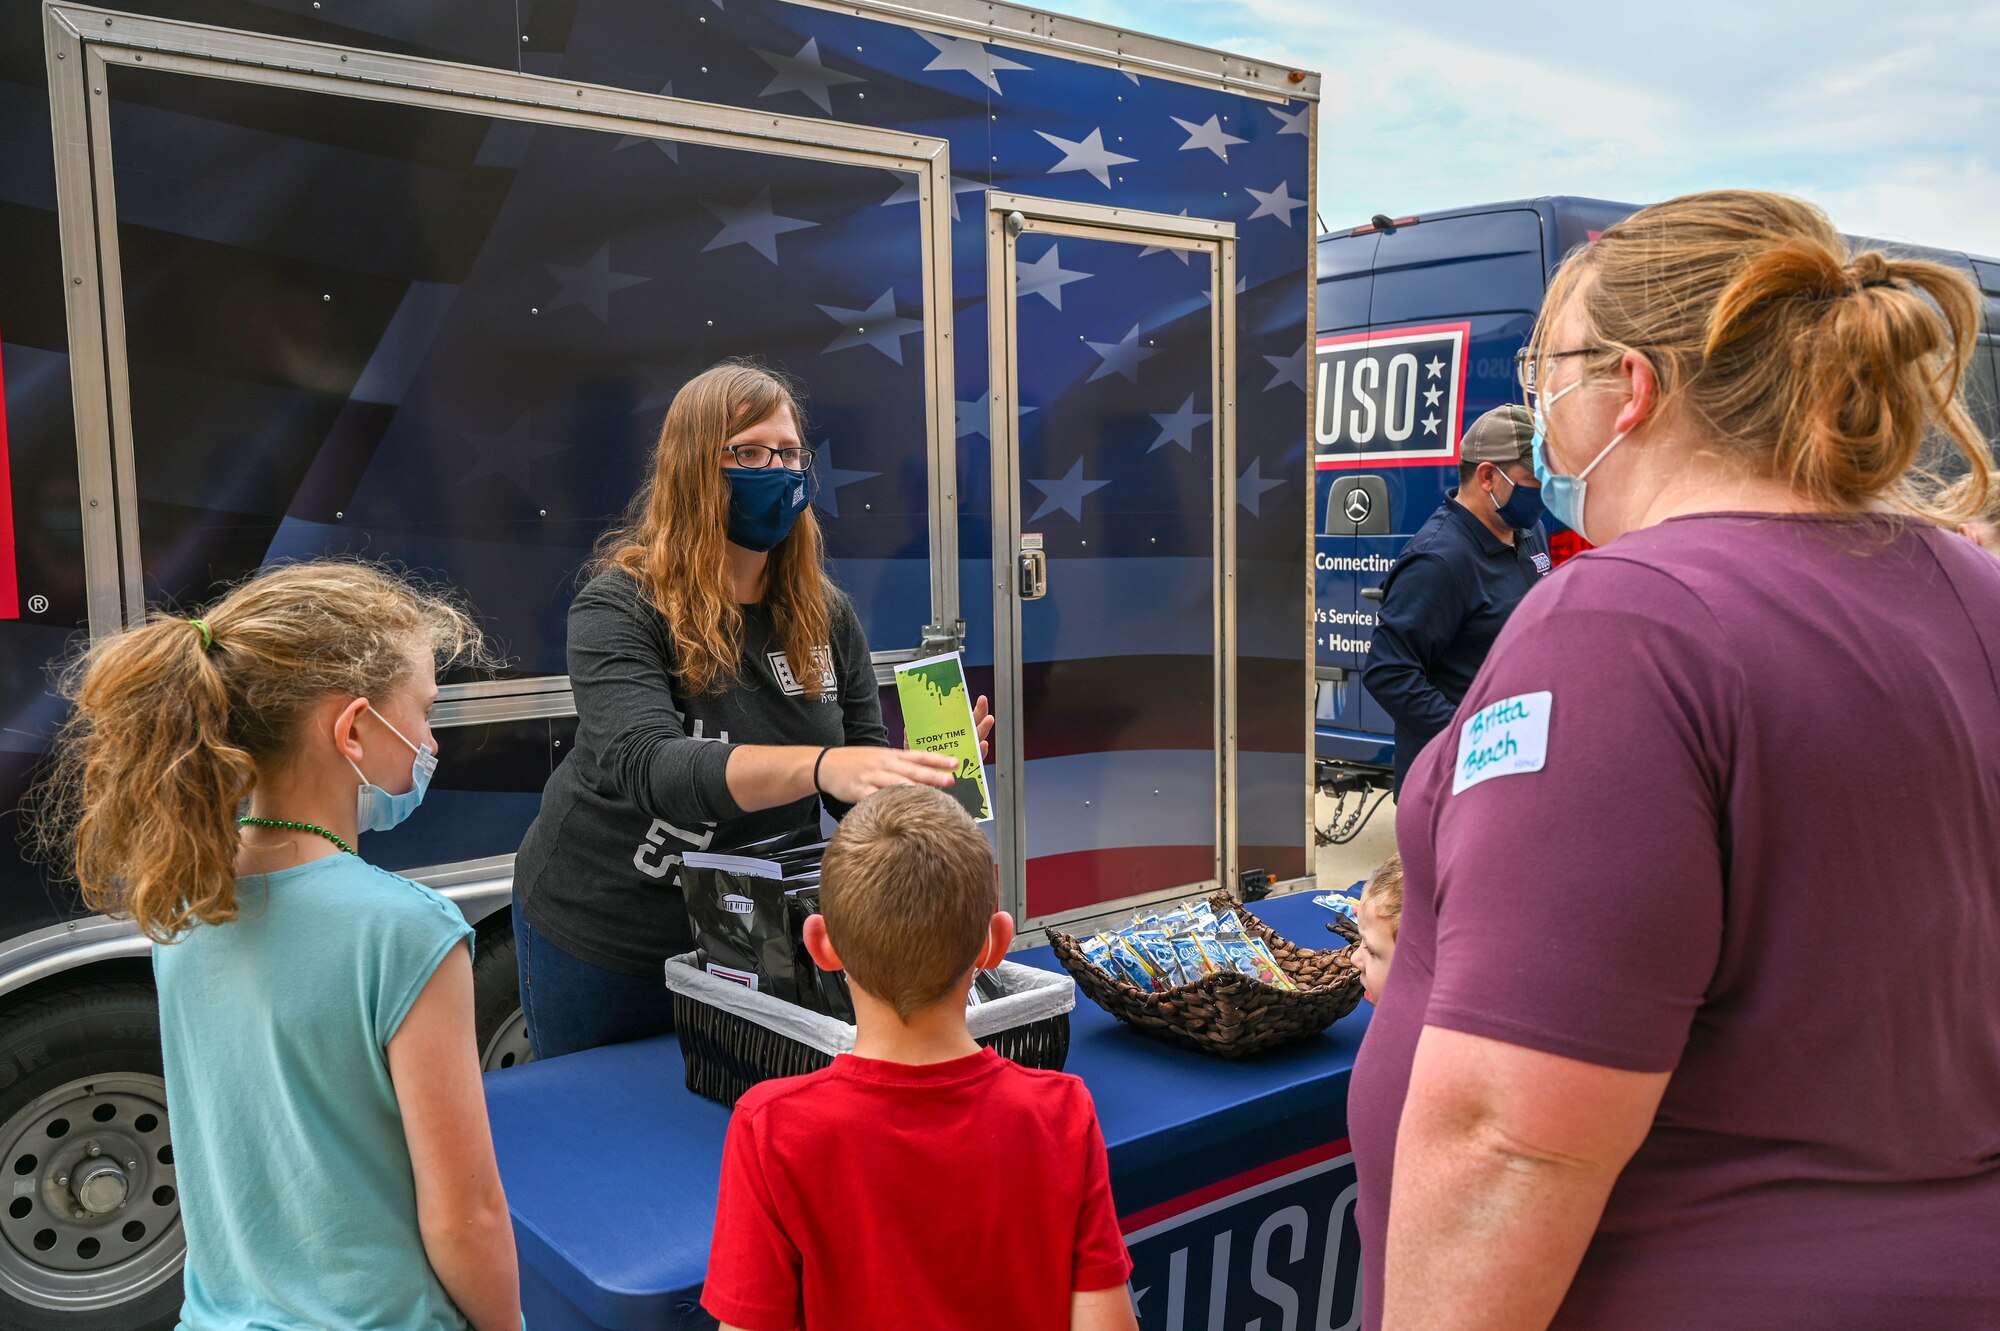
x: 726, y: 1054
x: 1227, y: 1015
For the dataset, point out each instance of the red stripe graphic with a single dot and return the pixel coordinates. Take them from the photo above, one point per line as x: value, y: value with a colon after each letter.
x: 1181, y: 1205
x: 10, y: 584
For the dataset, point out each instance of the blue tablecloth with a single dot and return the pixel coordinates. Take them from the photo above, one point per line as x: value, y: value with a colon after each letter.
x: 611, y: 1167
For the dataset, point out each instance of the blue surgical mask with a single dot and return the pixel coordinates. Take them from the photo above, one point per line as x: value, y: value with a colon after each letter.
x: 1563, y: 495
x: 375, y: 809
x: 1523, y: 508
x: 764, y: 502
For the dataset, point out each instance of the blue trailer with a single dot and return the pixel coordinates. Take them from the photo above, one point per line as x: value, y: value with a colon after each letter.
x: 281, y: 278
x: 1418, y: 320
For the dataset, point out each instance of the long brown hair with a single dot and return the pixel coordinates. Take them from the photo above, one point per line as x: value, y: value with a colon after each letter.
x: 1829, y: 372
x: 173, y: 720
x: 671, y: 542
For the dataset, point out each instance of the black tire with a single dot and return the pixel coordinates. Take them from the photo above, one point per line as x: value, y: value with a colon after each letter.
x: 496, y: 996
x: 85, y: 1032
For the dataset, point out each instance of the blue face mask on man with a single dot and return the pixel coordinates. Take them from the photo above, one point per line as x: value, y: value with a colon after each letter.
x: 1563, y: 495
x: 764, y: 502
x: 1523, y: 508
x: 375, y: 809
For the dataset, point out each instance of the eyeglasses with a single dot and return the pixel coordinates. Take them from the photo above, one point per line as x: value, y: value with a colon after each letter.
x: 1525, y: 365
x: 756, y: 457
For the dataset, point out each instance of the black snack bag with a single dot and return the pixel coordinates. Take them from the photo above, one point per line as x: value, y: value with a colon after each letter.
x: 736, y: 908
x: 822, y: 991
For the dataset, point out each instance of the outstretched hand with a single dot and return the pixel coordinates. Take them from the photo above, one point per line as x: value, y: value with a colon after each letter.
x: 982, y: 726
x: 853, y: 772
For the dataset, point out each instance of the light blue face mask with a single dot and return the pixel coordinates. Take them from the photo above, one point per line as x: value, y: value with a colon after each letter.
x: 375, y: 809
x: 1563, y: 495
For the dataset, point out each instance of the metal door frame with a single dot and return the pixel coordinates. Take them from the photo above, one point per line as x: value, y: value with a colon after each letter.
x: 83, y: 42
x: 1008, y: 217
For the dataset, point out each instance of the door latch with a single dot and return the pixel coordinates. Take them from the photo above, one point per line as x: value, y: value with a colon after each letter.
x: 1034, y: 567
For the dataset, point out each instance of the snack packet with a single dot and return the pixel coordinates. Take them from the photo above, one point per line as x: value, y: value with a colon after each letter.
x: 1212, y: 953
x: 1264, y: 954
x: 1133, y: 963
x: 1246, y: 959
x: 1160, y: 951
x: 1188, y: 952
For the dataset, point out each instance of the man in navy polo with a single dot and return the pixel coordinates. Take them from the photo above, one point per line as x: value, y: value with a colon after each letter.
x: 1456, y: 582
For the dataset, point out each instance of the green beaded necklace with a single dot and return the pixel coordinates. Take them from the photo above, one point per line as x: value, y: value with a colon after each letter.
x: 286, y: 825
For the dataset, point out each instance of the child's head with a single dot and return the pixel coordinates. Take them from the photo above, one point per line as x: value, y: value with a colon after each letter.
x: 909, y: 900
x: 1379, y: 916
x: 176, y: 721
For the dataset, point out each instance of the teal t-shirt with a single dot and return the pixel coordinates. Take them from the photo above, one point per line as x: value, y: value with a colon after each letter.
x: 295, y: 1179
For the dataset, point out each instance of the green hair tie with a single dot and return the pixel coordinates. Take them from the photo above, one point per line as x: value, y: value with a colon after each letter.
x: 207, y: 638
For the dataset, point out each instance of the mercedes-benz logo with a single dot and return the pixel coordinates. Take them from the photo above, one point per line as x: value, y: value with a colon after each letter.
x: 1358, y: 506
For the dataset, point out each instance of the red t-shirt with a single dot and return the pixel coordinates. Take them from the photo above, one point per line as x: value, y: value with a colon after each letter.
x: 1762, y: 853
x: 967, y: 1194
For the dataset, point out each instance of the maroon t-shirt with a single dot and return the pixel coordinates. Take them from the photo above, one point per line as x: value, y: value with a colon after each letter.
x: 971, y: 1194
x: 1761, y: 851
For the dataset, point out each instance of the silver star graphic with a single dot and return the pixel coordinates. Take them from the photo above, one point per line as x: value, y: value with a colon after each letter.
x: 1295, y: 123
x: 1086, y: 154
x: 878, y: 326
x: 667, y: 146
x: 1431, y: 424
x: 1434, y: 369
x: 1121, y: 357
x: 1433, y: 396
x: 1178, y: 427
x: 590, y: 284
x: 1277, y: 203
x: 906, y: 190
x: 1182, y: 255
x: 804, y: 73
x: 754, y: 224
x: 511, y: 454
x: 975, y: 58
x: 1045, y: 277
x: 1251, y: 485
x: 831, y: 478
x: 1137, y: 1295
x: 1209, y: 134
x: 1289, y: 370
x: 975, y: 417
x: 1065, y: 494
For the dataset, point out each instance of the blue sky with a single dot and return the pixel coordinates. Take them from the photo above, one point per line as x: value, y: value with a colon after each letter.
x: 1885, y: 114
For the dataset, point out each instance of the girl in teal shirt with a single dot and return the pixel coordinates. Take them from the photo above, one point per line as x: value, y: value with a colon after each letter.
x: 335, y: 1165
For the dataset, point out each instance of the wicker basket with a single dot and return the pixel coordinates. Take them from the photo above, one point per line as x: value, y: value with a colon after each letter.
x: 732, y: 1038
x: 1229, y: 1015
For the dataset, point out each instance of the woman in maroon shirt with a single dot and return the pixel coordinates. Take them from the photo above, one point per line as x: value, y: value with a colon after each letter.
x: 1695, y: 1017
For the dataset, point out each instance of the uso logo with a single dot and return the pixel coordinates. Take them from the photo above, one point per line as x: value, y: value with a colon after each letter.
x: 1391, y: 398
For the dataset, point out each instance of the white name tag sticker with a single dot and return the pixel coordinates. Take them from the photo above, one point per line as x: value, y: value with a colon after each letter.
x: 1506, y: 738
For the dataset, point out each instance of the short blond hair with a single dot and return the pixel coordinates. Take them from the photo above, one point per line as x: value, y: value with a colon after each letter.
x: 908, y: 892
x: 1385, y: 891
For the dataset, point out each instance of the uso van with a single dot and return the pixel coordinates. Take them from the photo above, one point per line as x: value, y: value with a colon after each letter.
x: 1418, y: 322
x: 417, y: 281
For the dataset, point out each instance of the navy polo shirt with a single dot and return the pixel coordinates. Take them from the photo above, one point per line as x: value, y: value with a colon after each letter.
x: 1443, y: 604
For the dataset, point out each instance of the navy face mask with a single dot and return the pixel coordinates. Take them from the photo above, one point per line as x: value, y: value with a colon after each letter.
x: 1523, y: 508
x: 764, y: 503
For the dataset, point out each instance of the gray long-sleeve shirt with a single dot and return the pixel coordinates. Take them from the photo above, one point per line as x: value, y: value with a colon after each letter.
x: 646, y: 779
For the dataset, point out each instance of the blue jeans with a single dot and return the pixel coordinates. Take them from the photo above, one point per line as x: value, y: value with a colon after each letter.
x: 571, y: 1004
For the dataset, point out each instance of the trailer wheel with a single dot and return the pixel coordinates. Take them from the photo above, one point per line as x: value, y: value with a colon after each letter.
x: 90, y: 1223
x: 496, y: 999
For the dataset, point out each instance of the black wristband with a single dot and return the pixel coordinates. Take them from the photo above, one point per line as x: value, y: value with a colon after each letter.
x: 816, y: 762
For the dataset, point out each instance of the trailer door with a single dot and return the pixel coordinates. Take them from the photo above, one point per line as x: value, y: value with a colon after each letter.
x: 1114, y: 486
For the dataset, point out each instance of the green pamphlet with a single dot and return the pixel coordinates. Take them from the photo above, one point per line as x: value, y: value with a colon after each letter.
x: 937, y: 718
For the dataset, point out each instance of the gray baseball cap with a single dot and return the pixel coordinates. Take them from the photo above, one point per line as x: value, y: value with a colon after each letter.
x: 1504, y: 434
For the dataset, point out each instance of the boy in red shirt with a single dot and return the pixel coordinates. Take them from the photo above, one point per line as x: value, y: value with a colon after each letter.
x: 919, y: 1182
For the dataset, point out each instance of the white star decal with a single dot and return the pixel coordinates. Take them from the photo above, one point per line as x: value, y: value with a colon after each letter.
x: 906, y: 190
x: 1178, y: 427
x: 590, y: 284
x: 511, y: 454
x: 1182, y: 255
x: 1087, y: 154
x: 1121, y: 357
x: 1045, y: 277
x: 1435, y: 368
x: 831, y: 478
x: 1065, y: 494
x: 1433, y: 396
x: 667, y: 146
x: 878, y: 326
x: 1277, y: 203
x: 975, y: 417
x: 804, y: 73
x: 1288, y: 370
x: 1209, y: 134
x: 1251, y: 485
x: 1431, y: 424
x: 1294, y: 123
x: 975, y: 58
x: 754, y: 224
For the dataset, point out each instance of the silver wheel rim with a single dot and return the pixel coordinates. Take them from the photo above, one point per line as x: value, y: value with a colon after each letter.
x: 508, y: 1046
x: 91, y: 1215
